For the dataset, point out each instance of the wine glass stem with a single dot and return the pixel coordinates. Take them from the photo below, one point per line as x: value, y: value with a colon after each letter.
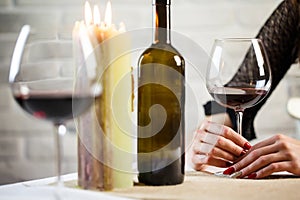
x: 60, y: 131
x: 239, y: 121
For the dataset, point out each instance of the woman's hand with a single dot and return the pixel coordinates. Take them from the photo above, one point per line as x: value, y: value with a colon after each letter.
x: 216, y: 145
x: 278, y: 153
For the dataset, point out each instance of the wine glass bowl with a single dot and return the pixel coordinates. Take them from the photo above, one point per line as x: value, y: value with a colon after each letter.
x: 293, y: 86
x: 293, y: 97
x: 238, y: 74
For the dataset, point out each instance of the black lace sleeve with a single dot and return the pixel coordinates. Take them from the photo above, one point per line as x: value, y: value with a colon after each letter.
x: 281, y: 36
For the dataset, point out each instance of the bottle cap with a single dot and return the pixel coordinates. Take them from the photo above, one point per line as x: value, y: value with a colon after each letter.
x: 161, y: 2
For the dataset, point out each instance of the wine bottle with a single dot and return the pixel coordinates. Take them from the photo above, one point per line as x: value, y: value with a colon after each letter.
x: 161, y: 102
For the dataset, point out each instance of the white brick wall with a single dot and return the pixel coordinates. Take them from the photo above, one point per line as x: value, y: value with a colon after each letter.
x: 26, y: 144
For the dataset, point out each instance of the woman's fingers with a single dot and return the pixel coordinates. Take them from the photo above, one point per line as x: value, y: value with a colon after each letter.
x: 267, y: 142
x: 253, y: 156
x: 263, y: 162
x: 217, y: 145
x: 204, y: 154
x: 227, y: 133
x: 253, y: 161
x: 278, y: 153
x: 271, y: 168
x: 213, y: 151
x: 215, y: 140
x: 201, y: 160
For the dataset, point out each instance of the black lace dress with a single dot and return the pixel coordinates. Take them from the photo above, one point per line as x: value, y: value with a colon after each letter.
x: 281, y: 37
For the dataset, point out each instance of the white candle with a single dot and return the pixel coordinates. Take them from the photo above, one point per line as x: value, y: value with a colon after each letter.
x: 92, y: 34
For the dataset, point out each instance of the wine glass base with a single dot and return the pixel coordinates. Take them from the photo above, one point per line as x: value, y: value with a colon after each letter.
x: 234, y: 175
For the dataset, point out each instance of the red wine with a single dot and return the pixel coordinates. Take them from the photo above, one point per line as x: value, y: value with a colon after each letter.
x: 55, y: 108
x: 237, y: 98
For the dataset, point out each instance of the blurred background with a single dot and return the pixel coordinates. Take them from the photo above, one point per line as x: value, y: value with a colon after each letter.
x: 27, y: 145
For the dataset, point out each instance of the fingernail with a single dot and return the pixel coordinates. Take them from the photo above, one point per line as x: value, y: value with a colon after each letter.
x: 243, y: 153
x: 229, y: 171
x: 252, y: 176
x: 247, y: 146
x: 236, y: 174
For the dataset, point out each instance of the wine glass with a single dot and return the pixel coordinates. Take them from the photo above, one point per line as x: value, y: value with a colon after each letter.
x: 293, y: 101
x: 47, y: 85
x: 238, y: 74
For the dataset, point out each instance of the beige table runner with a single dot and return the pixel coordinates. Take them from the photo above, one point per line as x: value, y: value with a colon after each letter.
x: 199, y: 185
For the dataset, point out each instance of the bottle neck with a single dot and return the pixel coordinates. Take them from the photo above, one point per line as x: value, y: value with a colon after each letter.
x: 161, y: 23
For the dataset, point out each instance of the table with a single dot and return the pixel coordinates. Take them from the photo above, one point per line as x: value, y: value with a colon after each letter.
x: 197, y: 185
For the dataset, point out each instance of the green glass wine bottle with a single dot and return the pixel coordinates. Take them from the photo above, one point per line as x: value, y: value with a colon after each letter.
x: 161, y: 103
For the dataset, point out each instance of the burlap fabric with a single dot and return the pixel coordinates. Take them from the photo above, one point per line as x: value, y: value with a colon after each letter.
x: 200, y: 185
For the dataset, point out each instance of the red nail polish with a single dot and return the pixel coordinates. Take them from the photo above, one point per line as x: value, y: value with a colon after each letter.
x: 252, y: 176
x: 229, y: 171
x: 243, y: 153
x: 247, y: 146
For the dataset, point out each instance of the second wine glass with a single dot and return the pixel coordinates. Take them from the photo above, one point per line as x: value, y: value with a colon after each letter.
x: 238, y: 74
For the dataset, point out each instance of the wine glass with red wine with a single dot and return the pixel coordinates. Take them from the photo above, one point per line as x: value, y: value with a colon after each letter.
x: 47, y: 85
x: 238, y: 74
